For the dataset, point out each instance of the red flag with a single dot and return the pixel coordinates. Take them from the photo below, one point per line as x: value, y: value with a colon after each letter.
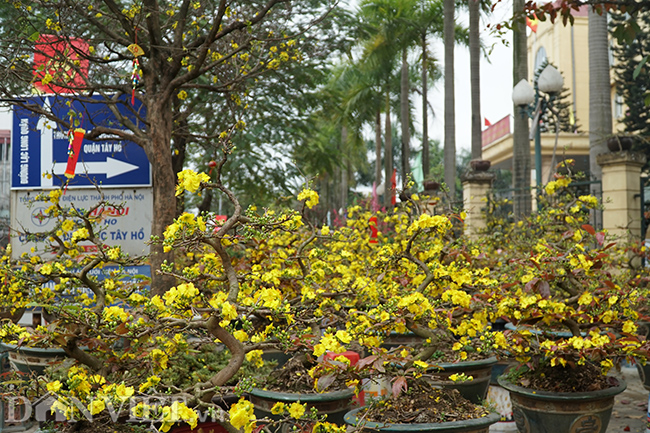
x: 487, y: 122
x: 393, y: 187
x: 73, y: 152
x: 532, y: 23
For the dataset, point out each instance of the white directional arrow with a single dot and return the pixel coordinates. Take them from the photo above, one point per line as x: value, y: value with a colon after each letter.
x: 47, y: 145
x: 111, y: 167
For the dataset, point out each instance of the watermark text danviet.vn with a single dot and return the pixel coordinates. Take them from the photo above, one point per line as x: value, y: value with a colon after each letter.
x: 18, y: 409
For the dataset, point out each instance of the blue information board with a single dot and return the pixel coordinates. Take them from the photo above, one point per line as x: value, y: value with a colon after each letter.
x: 39, y: 145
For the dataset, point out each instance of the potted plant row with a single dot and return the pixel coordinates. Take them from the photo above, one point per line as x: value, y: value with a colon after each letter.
x: 566, y: 290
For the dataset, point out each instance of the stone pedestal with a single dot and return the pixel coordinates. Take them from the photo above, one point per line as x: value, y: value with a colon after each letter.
x: 621, y: 193
x: 476, y: 185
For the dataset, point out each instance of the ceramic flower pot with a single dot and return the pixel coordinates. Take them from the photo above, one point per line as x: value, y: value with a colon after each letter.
x: 474, y: 390
x: 202, y: 427
x: 478, y: 425
x: 480, y: 164
x: 619, y: 143
x: 334, y: 404
x: 549, y: 412
x: 12, y: 314
x: 395, y: 339
x: 644, y: 374
x: 32, y: 359
x: 431, y: 185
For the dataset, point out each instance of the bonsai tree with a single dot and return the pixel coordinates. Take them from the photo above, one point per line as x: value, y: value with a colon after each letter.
x: 566, y: 288
x: 244, y: 283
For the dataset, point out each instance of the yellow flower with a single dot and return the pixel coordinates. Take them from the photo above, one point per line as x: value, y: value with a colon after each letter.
x: 629, y: 327
x: 190, y: 180
x: 46, y: 269
x: 255, y: 357
x: 310, y: 196
x: 54, y: 386
x: 278, y: 408
x: 113, y: 253
x: 420, y: 364
x: 124, y: 392
x: 241, y: 415
x: 150, y: 383
x: 585, y: 299
x: 67, y: 225
x: 240, y: 335
x: 96, y: 406
x: 115, y: 314
x: 343, y: 336
x: 296, y: 410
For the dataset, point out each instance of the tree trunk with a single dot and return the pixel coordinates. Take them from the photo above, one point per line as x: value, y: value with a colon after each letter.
x: 378, y: 148
x: 159, y: 115
x: 425, y: 118
x: 600, y: 109
x: 336, y: 188
x: 325, y: 193
x: 388, y: 154
x: 475, y: 77
x: 404, y: 117
x: 344, y: 168
x: 521, y: 141
x: 450, y: 109
x: 178, y: 159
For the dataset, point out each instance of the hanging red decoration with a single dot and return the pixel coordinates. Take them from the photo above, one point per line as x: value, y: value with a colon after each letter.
x: 137, y: 51
x: 212, y: 165
x: 74, y: 147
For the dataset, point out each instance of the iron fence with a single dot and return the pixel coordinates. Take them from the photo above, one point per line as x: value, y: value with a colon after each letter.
x: 506, y: 203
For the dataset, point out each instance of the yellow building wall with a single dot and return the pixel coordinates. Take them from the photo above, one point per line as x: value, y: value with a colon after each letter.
x: 569, y: 55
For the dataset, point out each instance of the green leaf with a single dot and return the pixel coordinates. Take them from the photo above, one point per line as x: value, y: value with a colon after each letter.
x: 638, y: 68
x: 34, y: 36
x: 646, y: 101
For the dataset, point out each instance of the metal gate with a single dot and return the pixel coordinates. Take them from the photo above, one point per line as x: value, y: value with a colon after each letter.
x: 501, y: 201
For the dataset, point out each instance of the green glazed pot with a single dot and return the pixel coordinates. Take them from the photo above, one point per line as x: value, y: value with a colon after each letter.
x: 32, y: 359
x: 551, y: 412
x: 644, y: 374
x: 478, y: 425
x: 474, y: 390
x: 333, y: 404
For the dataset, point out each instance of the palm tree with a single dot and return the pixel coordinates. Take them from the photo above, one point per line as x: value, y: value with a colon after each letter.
x: 600, y: 109
x: 386, y: 24
x: 450, y: 104
x: 475, y: 74
x: 399, y: 26
x: 521, y: 142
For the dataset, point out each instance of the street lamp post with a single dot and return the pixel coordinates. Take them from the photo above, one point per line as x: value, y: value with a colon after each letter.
x: 533, y: 102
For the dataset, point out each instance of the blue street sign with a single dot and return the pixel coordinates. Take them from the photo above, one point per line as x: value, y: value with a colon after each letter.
x: 40, y: 145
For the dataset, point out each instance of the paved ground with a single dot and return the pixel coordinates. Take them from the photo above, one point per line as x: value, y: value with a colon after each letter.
x: 631, y: 406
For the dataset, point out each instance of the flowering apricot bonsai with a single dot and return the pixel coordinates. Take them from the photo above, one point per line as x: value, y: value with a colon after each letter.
x: 566, y: 289
x: 240, y: 286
